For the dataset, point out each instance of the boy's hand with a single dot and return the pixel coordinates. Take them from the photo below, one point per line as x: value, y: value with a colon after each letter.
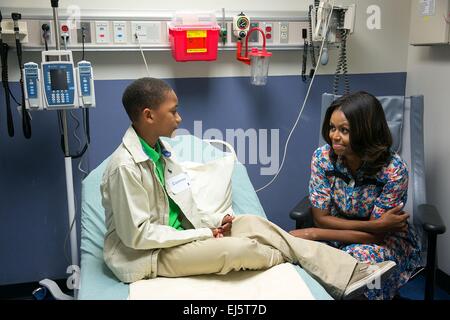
x: 227, y: 223
x: 217, y: 233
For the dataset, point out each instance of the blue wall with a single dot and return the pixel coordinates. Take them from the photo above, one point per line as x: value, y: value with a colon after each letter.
x: 33, y: 209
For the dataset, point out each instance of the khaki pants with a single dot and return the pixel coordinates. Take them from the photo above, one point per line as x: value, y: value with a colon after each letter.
x: 256, y: 243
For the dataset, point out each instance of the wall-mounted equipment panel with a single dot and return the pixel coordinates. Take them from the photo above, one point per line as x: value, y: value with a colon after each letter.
x: 130, y: 31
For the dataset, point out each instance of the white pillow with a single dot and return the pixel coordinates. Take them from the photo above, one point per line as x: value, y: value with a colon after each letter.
x: 211, y: 190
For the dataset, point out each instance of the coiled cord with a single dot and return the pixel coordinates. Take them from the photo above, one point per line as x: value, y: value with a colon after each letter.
x: 4, y: 62
x: 342, y: 65
x: 311, y: 44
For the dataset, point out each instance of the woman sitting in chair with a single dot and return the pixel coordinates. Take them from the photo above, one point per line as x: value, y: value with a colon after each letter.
x: 358, y: 188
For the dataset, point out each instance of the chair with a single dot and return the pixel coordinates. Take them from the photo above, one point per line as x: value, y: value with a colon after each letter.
x: 405, y: 119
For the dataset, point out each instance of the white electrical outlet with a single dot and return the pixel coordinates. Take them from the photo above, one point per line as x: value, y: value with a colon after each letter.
x: 102, y: 33
x: 284, y: 32
x: 146, y: 31
x: 120, y: 31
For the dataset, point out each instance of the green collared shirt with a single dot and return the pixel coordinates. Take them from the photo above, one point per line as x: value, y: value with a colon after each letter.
x: 155, y: 156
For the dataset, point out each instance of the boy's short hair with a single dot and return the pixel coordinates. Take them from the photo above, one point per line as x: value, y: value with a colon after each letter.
x: 144, y: 93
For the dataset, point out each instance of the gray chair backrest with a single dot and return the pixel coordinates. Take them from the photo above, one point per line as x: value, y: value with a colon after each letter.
x: 405, y: 119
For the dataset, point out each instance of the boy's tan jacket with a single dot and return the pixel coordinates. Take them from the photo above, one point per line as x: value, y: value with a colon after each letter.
x: 137, y: 211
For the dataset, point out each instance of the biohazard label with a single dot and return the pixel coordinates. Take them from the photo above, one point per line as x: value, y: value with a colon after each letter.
x: 196, y: 41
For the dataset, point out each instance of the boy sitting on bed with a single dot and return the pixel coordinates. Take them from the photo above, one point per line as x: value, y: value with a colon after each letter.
x: 149, y: 235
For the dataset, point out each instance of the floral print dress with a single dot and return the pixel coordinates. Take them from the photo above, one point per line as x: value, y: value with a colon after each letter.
x: 332, y: 187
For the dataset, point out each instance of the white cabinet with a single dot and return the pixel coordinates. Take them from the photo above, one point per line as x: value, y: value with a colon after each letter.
x: 429, y: 22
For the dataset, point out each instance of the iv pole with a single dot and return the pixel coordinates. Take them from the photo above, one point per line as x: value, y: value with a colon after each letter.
x: 49, y: 284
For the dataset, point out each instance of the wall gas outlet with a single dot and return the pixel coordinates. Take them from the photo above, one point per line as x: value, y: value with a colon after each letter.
x: 226, y: 29
x: 268, y: 31
x: 102, y: 32
x: 87, y: 33
x: 50, y: 36
x: 120, y: 32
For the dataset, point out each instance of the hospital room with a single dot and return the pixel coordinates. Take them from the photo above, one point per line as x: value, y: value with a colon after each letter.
x: 199, y: 151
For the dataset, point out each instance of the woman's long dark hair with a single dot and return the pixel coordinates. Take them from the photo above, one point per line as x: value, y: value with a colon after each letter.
x: 370, y: 137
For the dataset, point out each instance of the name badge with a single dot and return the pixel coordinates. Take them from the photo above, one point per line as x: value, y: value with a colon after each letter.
x: 166, y: 153
x: 179, y: 183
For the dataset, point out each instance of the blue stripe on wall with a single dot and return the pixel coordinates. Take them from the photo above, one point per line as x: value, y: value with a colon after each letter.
x: 33, y: 214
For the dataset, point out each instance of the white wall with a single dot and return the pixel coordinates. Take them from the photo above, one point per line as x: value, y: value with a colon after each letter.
x: 428, y: 74
x: 369, y: 51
